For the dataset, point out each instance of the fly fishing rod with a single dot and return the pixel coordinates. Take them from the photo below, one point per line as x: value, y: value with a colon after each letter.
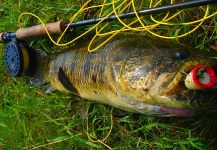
x: 19, y: 56
x: 60, y: 26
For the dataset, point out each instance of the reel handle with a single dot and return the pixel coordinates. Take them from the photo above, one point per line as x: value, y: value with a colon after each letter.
x: 37, y: 30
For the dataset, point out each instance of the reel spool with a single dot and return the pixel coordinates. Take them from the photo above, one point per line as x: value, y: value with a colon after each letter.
x: 17, y: 58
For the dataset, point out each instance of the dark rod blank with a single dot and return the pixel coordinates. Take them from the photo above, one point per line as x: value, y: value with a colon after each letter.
x: 188, y: 4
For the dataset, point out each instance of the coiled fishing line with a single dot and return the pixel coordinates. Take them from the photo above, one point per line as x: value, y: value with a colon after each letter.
x: 151, y: 24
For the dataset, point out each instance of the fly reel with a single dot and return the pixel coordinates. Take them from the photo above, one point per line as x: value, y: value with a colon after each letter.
x: 18, y: 55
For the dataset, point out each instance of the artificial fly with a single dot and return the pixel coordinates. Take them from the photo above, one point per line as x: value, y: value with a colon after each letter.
x: 200, y: 78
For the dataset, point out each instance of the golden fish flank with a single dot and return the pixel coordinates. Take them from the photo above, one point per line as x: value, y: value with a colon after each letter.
x: 133, y: 72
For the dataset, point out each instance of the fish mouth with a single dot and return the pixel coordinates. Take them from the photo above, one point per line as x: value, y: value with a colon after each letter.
x: 181, y: 79
x: 181, y: 98
x: 168, y: 81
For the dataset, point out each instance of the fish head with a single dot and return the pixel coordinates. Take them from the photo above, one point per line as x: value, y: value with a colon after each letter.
x: 153, y: 74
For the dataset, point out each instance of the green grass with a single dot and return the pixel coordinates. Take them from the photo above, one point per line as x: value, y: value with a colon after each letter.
x: 30, y: 119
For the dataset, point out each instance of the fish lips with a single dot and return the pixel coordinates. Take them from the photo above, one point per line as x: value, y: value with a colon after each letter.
x: 200, y: 102
x: 145, y: 108
x: 178, y: 111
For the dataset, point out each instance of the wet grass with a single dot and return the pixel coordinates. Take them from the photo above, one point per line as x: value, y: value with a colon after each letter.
x: 29, y: 119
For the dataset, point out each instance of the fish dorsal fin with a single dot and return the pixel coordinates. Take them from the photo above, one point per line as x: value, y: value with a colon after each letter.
x: 39, y: 67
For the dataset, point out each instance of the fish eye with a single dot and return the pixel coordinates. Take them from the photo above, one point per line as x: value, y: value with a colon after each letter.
x: 182, y: 54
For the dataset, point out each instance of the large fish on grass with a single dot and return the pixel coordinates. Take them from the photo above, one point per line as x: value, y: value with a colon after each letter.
x: 133, y: 72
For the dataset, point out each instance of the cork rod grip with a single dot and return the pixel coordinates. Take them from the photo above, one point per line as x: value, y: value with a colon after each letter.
x: 39, y: 30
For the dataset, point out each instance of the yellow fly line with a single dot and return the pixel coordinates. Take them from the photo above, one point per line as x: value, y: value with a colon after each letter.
x: 137, y: 24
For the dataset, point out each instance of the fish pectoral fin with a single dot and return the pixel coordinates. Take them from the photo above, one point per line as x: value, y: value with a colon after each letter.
x: 65, y: 81
x: 49, y: 89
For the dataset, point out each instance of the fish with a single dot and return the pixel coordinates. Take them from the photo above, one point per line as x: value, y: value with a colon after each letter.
x: 134, y: 72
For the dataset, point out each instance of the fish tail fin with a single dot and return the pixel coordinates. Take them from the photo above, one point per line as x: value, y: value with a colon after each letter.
x: 39, y: 67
